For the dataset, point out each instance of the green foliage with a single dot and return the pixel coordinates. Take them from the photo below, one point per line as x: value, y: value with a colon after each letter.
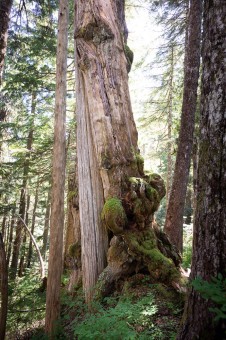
x: 215, y: 291
x: 26, y: 302
x: 129, y: 57
x: 117, y: 322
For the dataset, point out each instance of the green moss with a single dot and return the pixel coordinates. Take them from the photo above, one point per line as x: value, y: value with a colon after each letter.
x: 162, y: 267
x: 72, y: 194
x: 129, y: 57
x: 152, y: 194
x: 74, y: 250
x: 144, y: 245
x: 113, y: 215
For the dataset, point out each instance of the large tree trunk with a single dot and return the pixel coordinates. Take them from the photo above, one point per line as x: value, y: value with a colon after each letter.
x: 5, y: 9
x: 105, y: 150
x: 174, y: 216
x: 209, y: 247
x: 110, y: 168
x: 3, y: 289
x: 58, y: 183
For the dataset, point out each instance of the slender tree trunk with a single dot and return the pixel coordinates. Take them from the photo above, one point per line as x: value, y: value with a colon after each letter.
x: 12, y: 225
x: 22, y: 207
x: 174, y: 216
x: 46, y: 225
x: 59, y: 160
x: 5, y: 9
x: 4, y: 220
x: 3, y: 289
x: 169, y: 129
x: 29, y: 255
x: 42, y: 267
x: 21, y: 264
x: 209, y: 247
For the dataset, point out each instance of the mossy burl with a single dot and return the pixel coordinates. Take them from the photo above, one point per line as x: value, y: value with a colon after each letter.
x: 145, y: 245
x: 129, y: 57
x: 113, y: 215
x: 74, y: 250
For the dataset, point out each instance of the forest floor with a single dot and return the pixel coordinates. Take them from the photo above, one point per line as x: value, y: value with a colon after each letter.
x: 138, y: 309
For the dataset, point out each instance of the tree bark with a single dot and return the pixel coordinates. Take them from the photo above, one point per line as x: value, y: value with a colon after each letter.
x: 22, y: 256
x: 209, y: 248
x: 46, y: 224
x: 174, y: 216
x: 42, y: 267
x: 59, y: 163
x: 107, y: 136
x: 3, y: 289
x: 22, y: 206
x: 12, y: 225
x: 114, y: 193
x: 5, y: 9
x: 29, y: 254
x: 169, y: 129
x: 4, y: 225
x: 72, y: 258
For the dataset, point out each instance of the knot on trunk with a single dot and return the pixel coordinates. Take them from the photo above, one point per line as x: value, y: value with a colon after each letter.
x: 97, y: 31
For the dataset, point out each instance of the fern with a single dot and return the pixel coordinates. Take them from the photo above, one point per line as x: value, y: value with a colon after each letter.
x: 215, y: 291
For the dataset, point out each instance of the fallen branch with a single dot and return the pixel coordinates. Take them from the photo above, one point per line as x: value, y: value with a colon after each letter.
x: 42, y: 267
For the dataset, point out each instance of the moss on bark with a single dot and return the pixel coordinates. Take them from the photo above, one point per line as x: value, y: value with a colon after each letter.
x: 138, y: 244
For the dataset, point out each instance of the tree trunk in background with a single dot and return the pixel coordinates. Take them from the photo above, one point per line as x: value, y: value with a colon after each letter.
x: 58, y: 177
x: 21, y: 264
x: 174, y: 216
x: 169, y: 129
x: 4, y: 226
x: 195, y: 171
x: 22, y: 206
x: 3, y: 289
x: 42, y: 268
x: 5, y: 9
x: 12, y: 225
x: 72, y: 258
x: 29, y: 254
x: 209, y: 247
x: 107, y: 136
x: 46, y: 225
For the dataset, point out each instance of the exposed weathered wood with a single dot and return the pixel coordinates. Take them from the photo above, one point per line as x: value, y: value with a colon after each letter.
x: 107, y: 136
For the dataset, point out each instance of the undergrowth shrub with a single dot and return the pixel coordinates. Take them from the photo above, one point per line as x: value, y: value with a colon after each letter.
x: 215, y: 290
x: 26, y: 303
x: 122, y: 321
